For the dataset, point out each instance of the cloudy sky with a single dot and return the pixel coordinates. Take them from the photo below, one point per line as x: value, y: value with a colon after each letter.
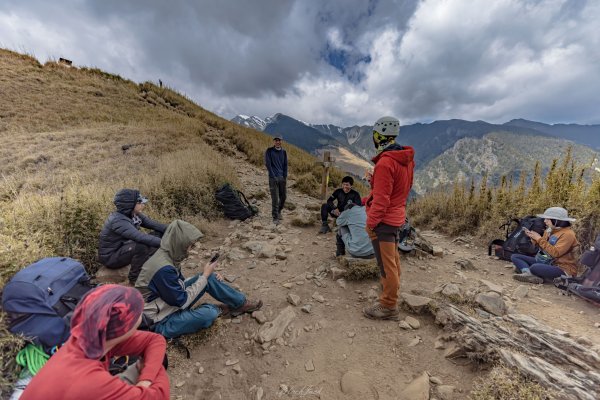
x: 339, y: 61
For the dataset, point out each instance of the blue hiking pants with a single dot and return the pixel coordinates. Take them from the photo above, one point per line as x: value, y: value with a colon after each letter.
x: 190, y: 320
x: 546, y: 271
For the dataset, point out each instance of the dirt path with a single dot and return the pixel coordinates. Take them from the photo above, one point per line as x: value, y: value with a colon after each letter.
x: 319, y: 347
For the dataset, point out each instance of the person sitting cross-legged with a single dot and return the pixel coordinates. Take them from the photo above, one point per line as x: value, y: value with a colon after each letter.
x: 170, y: 298
x: 104, y: 325
x: 555, y: 256
x: 337, y: 202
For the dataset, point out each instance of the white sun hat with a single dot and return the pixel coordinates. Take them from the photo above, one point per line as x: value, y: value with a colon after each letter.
x: 558, y: 213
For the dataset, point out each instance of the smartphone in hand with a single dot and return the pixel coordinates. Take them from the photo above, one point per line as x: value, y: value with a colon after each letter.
x: 214, y: 258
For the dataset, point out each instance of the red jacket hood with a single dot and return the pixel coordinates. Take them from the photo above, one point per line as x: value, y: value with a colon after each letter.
x: 402, y: 154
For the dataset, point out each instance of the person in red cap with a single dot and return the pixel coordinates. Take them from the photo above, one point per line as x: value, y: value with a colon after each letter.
x: 104, y: 325
x: 386, y: 211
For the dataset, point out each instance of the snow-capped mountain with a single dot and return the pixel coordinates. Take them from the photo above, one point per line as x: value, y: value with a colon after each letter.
x: 253, y: 122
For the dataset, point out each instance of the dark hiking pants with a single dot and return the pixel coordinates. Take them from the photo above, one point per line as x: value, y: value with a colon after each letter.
x: 132, y: 253
x: 385, y: 244
x: 326, y: 211
x: 278, y: 195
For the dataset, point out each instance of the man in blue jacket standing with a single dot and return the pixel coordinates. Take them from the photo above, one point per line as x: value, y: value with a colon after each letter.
x: 277, y: 165
x: 121, y: 241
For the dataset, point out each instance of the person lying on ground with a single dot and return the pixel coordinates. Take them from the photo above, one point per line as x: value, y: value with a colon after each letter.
x: 337, y: 202
x: 555, y: 256
x: 121, y: 241
x: 351, y: 235
x: 170, y: 298
x: 104, y: 325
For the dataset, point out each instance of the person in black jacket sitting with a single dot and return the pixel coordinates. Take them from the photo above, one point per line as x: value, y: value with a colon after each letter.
x: 121, y: 241
x: 343, y: 196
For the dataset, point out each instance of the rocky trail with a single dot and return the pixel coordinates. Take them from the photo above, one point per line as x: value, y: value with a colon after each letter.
x: 311, y: 341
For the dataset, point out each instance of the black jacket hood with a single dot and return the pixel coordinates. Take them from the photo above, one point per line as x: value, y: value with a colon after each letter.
x: 125, y: 201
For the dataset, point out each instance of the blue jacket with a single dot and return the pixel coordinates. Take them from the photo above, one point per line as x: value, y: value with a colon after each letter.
x: 355, y: 237
x: 120, y: 228
x: 276, y: 162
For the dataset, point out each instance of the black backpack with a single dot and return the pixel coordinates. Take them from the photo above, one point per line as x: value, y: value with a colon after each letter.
x: 231, y: 202
x: 516, y: 241
x: 586, y: 286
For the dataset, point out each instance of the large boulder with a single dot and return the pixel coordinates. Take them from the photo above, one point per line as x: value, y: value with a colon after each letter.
x: 274, y: 329
x: 107, y: 275
x: 417, y: 304
x: 491, y: 302
x: 418, y: 389
x: 356, y: 386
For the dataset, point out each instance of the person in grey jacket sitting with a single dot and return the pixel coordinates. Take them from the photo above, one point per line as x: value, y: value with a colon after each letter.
x: 351, y: 235
x: 121, y: 241
x: 170, y: 298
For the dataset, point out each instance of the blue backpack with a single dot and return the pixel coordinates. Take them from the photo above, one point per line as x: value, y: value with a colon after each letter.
x: 39, y: 300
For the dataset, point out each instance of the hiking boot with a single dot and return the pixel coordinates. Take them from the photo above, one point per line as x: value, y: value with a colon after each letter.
x: 528, y: 277
x: 377, y: 311
x: 223, y: 310
x: 339, y: 253
x: 249, y: 307
x: 325, y: 228
x: 276, y: 221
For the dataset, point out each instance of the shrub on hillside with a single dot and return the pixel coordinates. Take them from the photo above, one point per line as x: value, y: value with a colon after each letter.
x: 184, y: 183
x: 480, y: 211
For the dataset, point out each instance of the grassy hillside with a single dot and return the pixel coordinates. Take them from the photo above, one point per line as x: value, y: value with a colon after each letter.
x: 71, y: 137
x: 63, y: 130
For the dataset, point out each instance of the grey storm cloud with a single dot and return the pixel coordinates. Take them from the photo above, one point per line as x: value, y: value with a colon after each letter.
x: 341, y: 61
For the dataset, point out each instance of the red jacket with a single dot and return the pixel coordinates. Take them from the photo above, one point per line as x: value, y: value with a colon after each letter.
x: 69, y: 375
x: 390, y: 186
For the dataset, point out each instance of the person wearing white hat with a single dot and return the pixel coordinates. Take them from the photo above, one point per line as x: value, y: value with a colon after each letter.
x: 555, y: 256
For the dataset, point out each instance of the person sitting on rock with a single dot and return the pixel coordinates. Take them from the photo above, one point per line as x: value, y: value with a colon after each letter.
x: 555, y: 256
x: 104, y: 325
x: 351, y: 235
x: 170, y: 298
x: 121, y: 241
x: 342, y: 196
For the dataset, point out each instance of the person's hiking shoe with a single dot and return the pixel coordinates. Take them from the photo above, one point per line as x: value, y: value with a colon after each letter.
x: 325, y: 228
x: 223, y: 310
x: 339, y: 252
x: 249, y: 307
x: 377, y: 311
x: 528, y: 277
x: 276, y: 221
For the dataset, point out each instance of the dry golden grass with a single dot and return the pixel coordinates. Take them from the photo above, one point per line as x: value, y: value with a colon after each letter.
x: 479, y: 211
x: 62, y: 131
x: 505, y: 384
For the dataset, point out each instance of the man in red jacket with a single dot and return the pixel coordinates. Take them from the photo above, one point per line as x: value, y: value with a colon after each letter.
x: 390, y: 186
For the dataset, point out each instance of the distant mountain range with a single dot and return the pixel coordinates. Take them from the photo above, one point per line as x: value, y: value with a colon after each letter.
x: 473, y: 145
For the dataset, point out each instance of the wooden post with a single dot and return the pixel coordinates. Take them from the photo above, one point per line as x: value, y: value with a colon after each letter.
x: 325, y: 180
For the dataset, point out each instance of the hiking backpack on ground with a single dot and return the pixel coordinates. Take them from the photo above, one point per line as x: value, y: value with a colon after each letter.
x: 39, y: 300
x: 231, y: 202
x: 586, y: 286
x: 517, y: 242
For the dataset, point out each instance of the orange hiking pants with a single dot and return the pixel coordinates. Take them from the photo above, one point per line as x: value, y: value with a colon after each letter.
x: 385, y: 244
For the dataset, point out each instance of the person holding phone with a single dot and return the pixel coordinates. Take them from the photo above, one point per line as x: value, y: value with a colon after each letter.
x: 170, y: 298
x: 555, y: 256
